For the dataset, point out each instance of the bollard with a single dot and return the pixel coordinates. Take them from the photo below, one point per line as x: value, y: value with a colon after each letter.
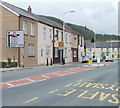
x: 51, y: 61
x: 90, y: 61
x: 63, y: 61
x: 47, y: 61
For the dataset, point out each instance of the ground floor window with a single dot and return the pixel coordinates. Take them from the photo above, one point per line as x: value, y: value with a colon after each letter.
x: 31, y: 50
x: 41, y: 52
x: 56, y: 52
x: 47, y: 51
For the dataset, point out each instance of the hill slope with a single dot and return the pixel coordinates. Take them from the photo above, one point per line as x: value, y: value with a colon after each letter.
x: 89, y: 34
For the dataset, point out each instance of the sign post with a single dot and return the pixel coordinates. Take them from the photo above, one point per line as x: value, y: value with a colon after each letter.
x: 61, y: 47
x: 15, y: 39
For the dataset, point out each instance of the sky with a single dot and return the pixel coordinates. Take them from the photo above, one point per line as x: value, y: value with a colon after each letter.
x: 101, y: 16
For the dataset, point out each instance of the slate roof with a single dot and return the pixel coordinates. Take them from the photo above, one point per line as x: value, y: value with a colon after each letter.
x: 25, y: 13
x: 36, y: 17
x: 104, y: 45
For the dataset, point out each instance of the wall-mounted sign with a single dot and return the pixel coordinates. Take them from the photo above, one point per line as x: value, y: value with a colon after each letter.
x: 60, y: 44
x: 15, y: 39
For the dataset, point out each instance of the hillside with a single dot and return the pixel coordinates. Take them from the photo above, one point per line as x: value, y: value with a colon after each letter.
x: 89, y: 34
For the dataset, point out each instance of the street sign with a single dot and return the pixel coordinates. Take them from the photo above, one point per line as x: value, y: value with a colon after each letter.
x: 61, y: 44
x: 15, y: 39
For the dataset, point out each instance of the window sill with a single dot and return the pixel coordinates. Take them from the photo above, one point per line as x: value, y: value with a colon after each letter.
x: 32, y: 35
x: 26, y: 34
x: 31, y: 56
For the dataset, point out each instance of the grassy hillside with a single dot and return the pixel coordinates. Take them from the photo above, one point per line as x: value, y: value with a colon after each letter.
x: 89, y: 34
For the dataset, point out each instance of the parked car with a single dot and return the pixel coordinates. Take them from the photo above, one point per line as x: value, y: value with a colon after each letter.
x: 85, y: 59
x: 109, y: 59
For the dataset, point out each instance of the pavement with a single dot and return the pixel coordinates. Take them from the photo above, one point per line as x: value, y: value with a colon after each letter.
x: 54, y: 65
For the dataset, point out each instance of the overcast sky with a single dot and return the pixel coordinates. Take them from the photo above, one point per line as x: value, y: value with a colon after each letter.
x: 101, y: 16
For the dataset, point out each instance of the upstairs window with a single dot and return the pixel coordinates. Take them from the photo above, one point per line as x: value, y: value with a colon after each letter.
x: 44, y: 32
x: 56, y: 34
x: 50, y: 34
x: 32, y: 29
x: 24, y: 26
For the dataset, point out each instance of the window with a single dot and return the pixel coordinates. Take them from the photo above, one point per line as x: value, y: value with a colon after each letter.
x: 75, y: 54
x: 56, y: 35
x: 70, y: 39
x: 107, y: 49
x: 24, y: 26
x: 65, y: 52
x: 112, y: 49
x: 56, y: 52
x: 44, y: 32
x: 41, y: 52
x: 61, y: 36
x: 101, y: 49
x: 90, y: 49
x: 66, y: 39
x: 47, y: 51
x: 31, y: 50
x: 118, y: 50
x: 50, y: 33
x: 32, y: 29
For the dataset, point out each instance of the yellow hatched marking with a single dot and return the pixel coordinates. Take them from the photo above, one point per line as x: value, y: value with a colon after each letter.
x: 78, y: 80
x: 53, y: 91
x: 31, y: 100
x: 76, y: 84
x: 68, y: 85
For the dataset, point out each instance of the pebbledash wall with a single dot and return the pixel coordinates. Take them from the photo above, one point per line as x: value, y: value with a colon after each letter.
x: 45, y: 45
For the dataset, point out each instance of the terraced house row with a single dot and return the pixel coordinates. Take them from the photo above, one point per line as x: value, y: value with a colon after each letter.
x: 41, y: 37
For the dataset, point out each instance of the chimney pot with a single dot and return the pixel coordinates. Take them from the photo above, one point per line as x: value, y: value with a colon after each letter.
x: 29, y: 9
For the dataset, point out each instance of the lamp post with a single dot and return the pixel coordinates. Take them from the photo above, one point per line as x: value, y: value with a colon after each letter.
x: 94, y: 43
x: 64, y: 31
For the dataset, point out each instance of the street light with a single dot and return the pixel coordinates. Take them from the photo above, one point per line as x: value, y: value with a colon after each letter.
x: 94, y: 43
x: 64, y: 31
x: 64, y: 20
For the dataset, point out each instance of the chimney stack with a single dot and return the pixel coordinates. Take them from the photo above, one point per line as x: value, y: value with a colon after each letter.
x: 29, y: 9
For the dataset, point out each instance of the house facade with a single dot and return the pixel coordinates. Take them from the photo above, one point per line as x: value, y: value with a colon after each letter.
x: 41, y: 38
x: 16, y: 19
x: 104, y: 49
x: 45, y: 43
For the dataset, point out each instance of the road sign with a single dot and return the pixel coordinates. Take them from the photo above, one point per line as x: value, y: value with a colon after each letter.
x: 61, y: 44
x: 15, y: 38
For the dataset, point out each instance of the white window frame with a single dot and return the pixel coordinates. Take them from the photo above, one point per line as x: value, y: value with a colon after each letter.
x: 31, y: 50
x: 66, y: 38
x: 65, y: 51
x: 47, y: 51
x: 56, y: 52
x: 32, y: 29
x: 41, y: 53
x: 44, y: 32
x: 24, y: 26
x: 50, y: 34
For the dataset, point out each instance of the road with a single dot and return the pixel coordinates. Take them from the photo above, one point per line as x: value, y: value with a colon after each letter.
x: 83, y: 87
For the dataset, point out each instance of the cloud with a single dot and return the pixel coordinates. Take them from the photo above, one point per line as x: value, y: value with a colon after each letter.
x: 98, y: 15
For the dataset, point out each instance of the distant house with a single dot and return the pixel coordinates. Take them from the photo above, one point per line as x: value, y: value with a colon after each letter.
x: 103, y: 49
